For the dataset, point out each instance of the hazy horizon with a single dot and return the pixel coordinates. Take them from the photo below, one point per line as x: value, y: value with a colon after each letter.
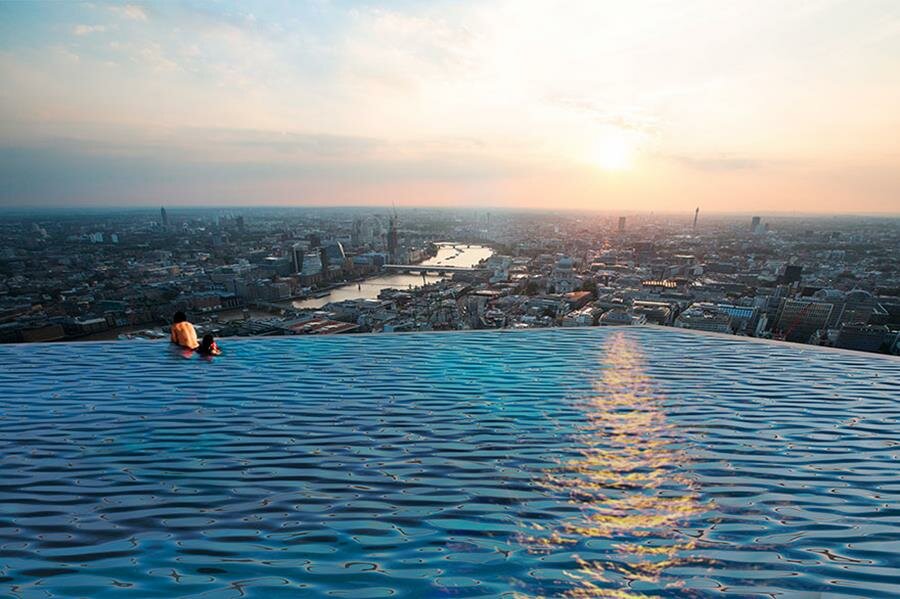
x: 738, y: 108
x: 175, y: 209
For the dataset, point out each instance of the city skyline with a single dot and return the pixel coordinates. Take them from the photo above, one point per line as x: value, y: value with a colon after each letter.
x: 121, y: 273
x: 655, y: 107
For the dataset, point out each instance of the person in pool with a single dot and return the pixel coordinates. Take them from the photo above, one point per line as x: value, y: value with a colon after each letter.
x: 208, y: 346
x: 183, y: 332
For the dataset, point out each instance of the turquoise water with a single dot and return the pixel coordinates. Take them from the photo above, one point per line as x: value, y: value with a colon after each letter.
x: 583, y: 462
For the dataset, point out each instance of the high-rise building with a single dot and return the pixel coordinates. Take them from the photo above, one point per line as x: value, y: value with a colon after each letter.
x: 163, y: 218
x: 862, y: 337
x: 754, y: 224
x: 393, y: 241
x: 857, y: 306
x: 334, y: 253
x: 644, y: 251
x: 621, y: 224
x: 297, y: 253
x: 312, y: 263
x: 696, y: 215
x: 792, y: 274
x: 800, y: 319
x: 367, y: 231
x: 356, y: 233
x: 240, y: 223
x: 862, y: 306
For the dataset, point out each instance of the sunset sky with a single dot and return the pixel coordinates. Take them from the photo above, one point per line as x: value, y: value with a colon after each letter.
x: 730, y: 106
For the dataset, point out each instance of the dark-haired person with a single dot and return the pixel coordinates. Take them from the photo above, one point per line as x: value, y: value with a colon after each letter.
x: 208, y: 346
x: 183, y: 332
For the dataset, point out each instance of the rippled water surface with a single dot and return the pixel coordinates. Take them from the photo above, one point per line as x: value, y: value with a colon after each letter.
x: 579, y: 462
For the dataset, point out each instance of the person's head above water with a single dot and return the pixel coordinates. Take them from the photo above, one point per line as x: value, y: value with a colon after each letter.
x: 179, y: 317
x: 208, y: 346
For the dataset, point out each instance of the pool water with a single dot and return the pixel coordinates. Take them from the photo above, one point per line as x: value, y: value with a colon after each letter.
x: 600, y: 462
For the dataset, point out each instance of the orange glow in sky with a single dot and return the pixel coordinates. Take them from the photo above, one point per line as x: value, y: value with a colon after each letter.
x: 753, y: 105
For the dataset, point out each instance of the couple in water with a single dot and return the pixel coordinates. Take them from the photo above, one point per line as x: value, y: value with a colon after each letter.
x: 184, y: 335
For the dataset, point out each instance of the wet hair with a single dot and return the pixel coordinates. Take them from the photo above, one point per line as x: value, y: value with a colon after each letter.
x: 179, y: 317
x: 206, y: 344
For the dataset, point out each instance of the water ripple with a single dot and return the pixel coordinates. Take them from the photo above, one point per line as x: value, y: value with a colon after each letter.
x: 581, y: 462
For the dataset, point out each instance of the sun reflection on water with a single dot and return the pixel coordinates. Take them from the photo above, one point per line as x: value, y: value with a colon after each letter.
x: 629, y: 485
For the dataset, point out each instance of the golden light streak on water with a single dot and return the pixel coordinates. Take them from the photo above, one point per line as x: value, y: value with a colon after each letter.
x: 628, y: 483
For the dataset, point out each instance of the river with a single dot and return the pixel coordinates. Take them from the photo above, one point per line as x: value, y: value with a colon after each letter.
x: 448, y: 254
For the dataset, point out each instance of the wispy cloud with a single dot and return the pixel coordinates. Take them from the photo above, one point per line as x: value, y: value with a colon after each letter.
x: 154, y: 56
x: 722, y: 163
x: 631, y: 118
x: 88, y: 29
x: 132, y: 12
x: 299, y: 144
x: 65, y: 55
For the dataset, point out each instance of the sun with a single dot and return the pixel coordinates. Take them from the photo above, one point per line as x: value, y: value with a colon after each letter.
x: 615, y: 151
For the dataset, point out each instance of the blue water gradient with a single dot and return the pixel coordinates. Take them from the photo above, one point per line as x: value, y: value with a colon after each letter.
x: 620, y: 462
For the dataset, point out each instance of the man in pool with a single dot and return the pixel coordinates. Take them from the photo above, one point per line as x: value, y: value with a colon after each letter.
x: 183, y: 332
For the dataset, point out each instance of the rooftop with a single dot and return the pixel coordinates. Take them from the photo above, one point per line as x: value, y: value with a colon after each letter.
x: 602, y: 462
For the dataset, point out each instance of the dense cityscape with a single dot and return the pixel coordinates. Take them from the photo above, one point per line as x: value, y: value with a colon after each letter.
x: 91, y: 274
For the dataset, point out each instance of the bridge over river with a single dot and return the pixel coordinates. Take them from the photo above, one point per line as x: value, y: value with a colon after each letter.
x: 450, y: 258
x: 430, y: 268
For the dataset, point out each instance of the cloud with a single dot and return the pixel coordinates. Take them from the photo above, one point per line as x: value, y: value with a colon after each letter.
x: 155, y: 57
x: 142, y: 174
x: 65, y: 55
x: 88, y: 29
x: 711, y: 96
x: 132, y: 12
x: 720, y: 163
x: 725, y: 162
x: 208, y: 144
x: 404, y: 51
x: 599, y: 112
x: 302, y: 144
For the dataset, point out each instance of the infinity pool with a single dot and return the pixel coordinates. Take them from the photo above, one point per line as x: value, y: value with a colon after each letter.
x: 619, y: 462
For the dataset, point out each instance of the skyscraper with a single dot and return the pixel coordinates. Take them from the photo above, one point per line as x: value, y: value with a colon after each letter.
x: 393, y: 240
x: 334, y: 250
x: 754, y: 225
x: 356, y: 233
x: 163, y: 218
x: 297, y: 253
x: 792, y: 274
x: 800, y: 319
x: 696, y: 215
x: 621, y: 224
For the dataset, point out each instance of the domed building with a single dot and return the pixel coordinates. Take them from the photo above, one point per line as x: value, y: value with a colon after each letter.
x: 832, y: 296
x: 859, y: 296
x: 564, y: 278
x: 565, y: 263
x: 861, y: 307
